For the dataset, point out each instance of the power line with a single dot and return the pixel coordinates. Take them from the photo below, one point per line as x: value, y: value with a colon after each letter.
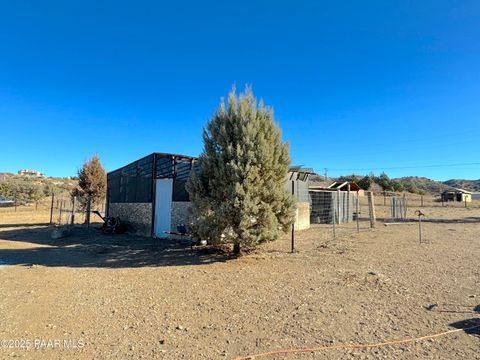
x: 406, y: 167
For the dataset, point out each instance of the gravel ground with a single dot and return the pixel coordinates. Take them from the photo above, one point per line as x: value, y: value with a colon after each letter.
x: 131, y: 298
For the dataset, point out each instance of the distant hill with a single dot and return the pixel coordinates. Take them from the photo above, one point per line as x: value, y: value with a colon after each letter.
x: 436, y: 187
x: 472, y: 185
x: 28, y: 189
x: 428, y: 185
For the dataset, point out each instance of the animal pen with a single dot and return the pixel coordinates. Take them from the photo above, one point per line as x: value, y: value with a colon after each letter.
x: 341, y: 212
x: 149, y: 195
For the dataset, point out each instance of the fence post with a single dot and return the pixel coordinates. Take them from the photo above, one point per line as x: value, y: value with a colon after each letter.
x: 293, y: 224
x: 349, y: 208
x: 333, y: 216
x: 87, y: 215
x: 338, y: 205
x: 358, y: 213
x: 73, y: 211
x: 465, y: 201
x: 371, y: 209
x: 51, y: 209
x: 60, y: 213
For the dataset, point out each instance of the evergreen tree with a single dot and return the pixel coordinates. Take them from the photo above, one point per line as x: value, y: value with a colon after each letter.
x: 238, y: 194
x: 92, y: 182
x: 384, y: 181
x: 365, y: 182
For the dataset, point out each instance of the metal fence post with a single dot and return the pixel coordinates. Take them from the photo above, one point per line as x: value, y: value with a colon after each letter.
x: 333, y: 216
x: 51, y: 208
x: 293, y: 224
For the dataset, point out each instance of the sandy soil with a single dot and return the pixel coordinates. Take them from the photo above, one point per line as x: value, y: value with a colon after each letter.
x: 132, y: 298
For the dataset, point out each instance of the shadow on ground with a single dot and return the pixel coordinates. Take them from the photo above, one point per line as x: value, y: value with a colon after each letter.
x: 471, y: 326
x: 4, y: 226
x: 90, y: 248
x: 465, y: 220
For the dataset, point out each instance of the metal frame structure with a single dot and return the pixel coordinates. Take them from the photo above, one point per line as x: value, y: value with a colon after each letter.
x: 135, y: 182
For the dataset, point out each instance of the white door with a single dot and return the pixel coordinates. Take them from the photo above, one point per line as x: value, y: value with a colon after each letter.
x: 163, y: 206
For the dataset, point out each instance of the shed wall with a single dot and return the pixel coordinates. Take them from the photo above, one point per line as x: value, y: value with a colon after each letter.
x: 302, y: 220
x: 179, y: 213
x: 137, y: 216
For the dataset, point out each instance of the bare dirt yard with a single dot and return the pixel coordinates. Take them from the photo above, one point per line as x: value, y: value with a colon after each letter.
x: 126, y: 297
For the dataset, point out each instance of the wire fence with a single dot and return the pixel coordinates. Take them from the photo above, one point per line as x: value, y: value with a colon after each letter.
x: 71, y: 210
x: 340, y: 213
x: 401, y: 207
x: 56, y: 209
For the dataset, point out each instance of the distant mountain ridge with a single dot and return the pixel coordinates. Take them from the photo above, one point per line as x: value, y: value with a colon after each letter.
x: 436, y: 187
x: 471, y: 185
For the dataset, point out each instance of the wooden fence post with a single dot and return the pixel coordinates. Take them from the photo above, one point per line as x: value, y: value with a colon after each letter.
x: 371, y: 209
x: 333, y: 216
x: 338, y: 205
x: 60, y: 213
x: 358, y: 214
x: 51, y: 208
x: 87, y: 215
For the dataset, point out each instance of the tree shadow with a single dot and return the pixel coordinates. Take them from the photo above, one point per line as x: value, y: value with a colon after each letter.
x: 90, y: 248
x: 470, y: 326
x: 4, y: 226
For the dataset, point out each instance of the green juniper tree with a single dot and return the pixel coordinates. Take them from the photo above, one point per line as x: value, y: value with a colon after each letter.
x: 238, y: 194
x: 92, y: 184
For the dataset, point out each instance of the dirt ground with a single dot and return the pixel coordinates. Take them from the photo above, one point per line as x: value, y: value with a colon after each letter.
x: 125, y: 297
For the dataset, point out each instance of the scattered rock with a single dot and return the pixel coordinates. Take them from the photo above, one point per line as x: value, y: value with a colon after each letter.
x: 60, y: 232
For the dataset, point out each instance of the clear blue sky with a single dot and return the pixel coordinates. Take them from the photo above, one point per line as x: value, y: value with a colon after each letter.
x: 356, y: 86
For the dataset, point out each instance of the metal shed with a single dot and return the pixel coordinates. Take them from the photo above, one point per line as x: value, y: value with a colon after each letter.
x: 149, y: 194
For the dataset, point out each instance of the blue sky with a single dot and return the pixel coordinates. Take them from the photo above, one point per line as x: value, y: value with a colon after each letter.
x: 356, y: 86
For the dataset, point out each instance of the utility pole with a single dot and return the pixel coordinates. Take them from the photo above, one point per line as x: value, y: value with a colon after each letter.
x: 326, y: 172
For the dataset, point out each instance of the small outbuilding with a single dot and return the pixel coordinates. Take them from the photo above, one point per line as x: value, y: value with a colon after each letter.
x: 457, y: 195
x: 296, y: 183
x: 149, y: 195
